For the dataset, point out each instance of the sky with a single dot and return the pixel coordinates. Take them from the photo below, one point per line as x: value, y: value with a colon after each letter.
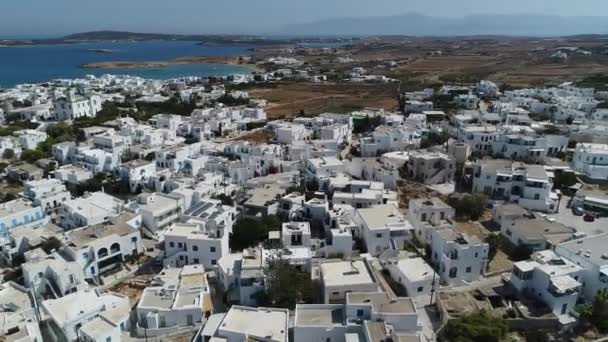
x: 49, y: 18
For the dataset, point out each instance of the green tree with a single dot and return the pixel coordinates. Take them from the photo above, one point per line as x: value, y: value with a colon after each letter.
x: 366, y: 124
x: 495, y: 242
x: 285, y: 286
x: 248, y: 232
x: 226, y: 200
x: 312, y: 185
x: 564, y: 180
x: 8, y: 153
x: 596, y: 313
x: 468, y: 206
x: 31, y: 156
x: 480, y: 326
x: 434, y: 138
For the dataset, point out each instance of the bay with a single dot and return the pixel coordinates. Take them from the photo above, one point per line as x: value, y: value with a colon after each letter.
x: 32, y: 64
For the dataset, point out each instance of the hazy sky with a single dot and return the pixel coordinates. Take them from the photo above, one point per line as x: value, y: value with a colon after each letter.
x: 56, y: 17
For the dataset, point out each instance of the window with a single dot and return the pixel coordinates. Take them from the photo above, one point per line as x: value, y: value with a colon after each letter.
x: 468, y: 269
x: 212, y: 249
x: 379, y: 235
x: 420, y: 289
x: 109, y: 339
x: 196, y: 261
x: 179, y: 245
x: 213, y: 262
x: 195, y: 248
x: 359, y: 313
x: 134, y: 239
x: 171, y: 244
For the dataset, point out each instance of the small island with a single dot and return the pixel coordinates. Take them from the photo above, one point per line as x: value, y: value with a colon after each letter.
x: 176, y: 61
x: 101, y: 50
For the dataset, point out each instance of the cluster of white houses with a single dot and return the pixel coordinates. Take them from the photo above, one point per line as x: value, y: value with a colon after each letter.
x: 186, y: 181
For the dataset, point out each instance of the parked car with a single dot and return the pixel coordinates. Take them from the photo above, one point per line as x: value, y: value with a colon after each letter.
x: 578, y: 211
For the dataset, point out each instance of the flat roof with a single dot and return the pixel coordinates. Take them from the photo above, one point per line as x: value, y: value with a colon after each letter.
x: 345, y: 273
x: 595, y: 245
x: 95, y: 204
x: 97, y: 329
x: 381, y: 216
x: 415, y: 269
x: 116, y: 226
x: 263, y: 323
x: 179, y: 287
x: 317, y: 315
x: 14, y: 298
x: 541, y: 229
x: 15, y: 206
x: 260, y: 197
x: 381, y: 302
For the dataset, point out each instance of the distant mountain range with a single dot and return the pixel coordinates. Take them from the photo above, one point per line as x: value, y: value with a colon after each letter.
x: 414, y: 24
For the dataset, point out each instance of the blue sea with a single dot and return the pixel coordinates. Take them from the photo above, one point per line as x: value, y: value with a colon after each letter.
x: 30, y: 64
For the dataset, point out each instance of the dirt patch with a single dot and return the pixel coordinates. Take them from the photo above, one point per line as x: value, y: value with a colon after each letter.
x: 293, y: 99
x: 257, y: 137
x: 409, y: 190
x: 132, y: 288
x: 500, y: 263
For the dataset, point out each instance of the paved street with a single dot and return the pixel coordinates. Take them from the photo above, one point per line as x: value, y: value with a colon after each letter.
x: 566, y: 217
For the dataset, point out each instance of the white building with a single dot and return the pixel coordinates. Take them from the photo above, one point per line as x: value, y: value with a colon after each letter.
x: 19, y: 319
x: 342, y: 277
x: 590, y: 254
x: 428, y: 215
x: 104, y: 247
x: 287, y: 133
x: 241, y: 323
x: 18, y: 213
x: 431, y: 167
x: 47, y: 193
x: 459, y: 258
x: 52, y: 274
x: 72, y: 174
x: 79, y: 314
x: 479, y: 138
x: 388, y: 139
x: 323, y: 168
x: 30, y: 138
x: 487, y: 88
x: 137, y: 173
x: 196, y: 243
x: 74, y: 106
x: 467, y: 101
x: 241, y: 276
x: 92, y: 208
x: 591, y: 161
x: 383, y: 227
x: 295, y: 234
x: 525, y: 184
x: 177, y: 297
x: 415, y: 106
x: 414, y: 274
x: 159, y: 211
x: 97, y: 160
x: 551, y: 279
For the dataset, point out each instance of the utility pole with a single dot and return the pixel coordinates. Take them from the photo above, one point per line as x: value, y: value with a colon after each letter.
x: 433, y: 286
